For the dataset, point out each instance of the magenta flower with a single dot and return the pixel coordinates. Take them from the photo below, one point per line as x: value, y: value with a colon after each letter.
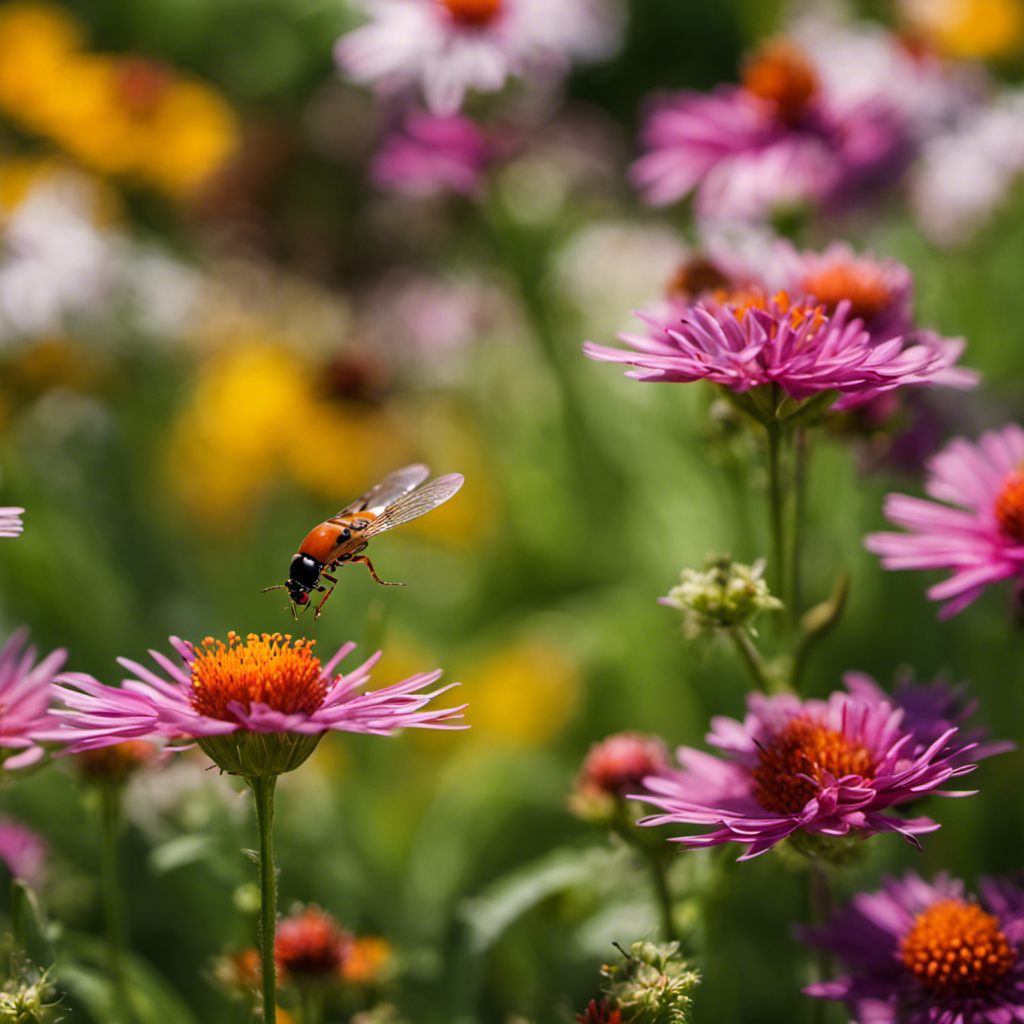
x: 982, y: 540
x: 25, y: 693
x: 931, y: 710
x: 824, y: 768
x: 776, y: 141
x: 427, y: 154
x: 448, y: 47
x: 10, y: 521
x: 23, y: 852
x: 925, y: 953
x: 759, y: 345
x: 257, y: 707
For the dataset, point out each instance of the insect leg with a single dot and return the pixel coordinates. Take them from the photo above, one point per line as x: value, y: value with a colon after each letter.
x: 316, y: 614
x: 369, y: 565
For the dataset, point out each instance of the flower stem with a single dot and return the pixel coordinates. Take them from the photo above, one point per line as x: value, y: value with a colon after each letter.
x: 623, y: 827
x: 110, y: 818
x: 751, y: 658
x: 312, y: 1005
x: 17, y: 936
x: 263, y: 796
x: 821, y: 905
x: 780, y: 509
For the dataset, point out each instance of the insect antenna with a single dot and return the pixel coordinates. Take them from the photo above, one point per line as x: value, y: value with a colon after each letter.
x: 277, y: 586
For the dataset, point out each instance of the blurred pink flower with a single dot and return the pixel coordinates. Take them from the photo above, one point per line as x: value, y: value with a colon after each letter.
x: 268, y: 685
x: 26, y: 690
x: 981, y: 538
x: 775, y: 142
x: 10, y: 521
x: 829, y: 768
x: 427, y: 154
x: 448, y: 47
x: 23, y: 852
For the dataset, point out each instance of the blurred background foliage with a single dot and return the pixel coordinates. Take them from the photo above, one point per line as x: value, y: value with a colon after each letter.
x: 251, y: 335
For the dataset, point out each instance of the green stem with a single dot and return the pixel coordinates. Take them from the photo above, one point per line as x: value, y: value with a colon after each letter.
x: 18, y: 930
x: 312, y: 999
x: 799, y: 508
x: 263, y: 796
x: 751, y: 658
x: 778, y: 504
x: 623, y: 828
x: 821, y: 906
x: 110, y: 817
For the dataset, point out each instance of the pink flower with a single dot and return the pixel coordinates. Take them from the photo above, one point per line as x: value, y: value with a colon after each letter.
x: 25, y: 693
x: 774, y: 142
x: 981, y: 537
x: 23, y: 852
x: 227, y: 696
x: 10, y: 521
x: 820, y: 768
x: 427, y: 154
x: 448, y: 47
x: 757, y: 345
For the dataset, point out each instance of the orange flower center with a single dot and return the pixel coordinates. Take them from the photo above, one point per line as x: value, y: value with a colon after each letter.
x: 740, y: 302
x: 141, y: 86
x: 267, y: 669
x: 116, y: 762
x: 955, y: 948
x: 1009, y: 507
x: 792, y: 766
x: 859, y: 281
x: 696, y: 276
x: 781, y: 74
x: 473, y: 13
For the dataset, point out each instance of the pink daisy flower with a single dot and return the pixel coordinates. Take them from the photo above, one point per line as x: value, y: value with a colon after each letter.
x: 760, y: 345
x: 776, y: 141
x: 25, y: 693
x: 803, y: 768
x: 10, y: 521
x: 926, y: 953
x: 257, y: 707
x: 426, y: 155
x: 975, y: 527
x: 23, y: 852
x: 449, y: 47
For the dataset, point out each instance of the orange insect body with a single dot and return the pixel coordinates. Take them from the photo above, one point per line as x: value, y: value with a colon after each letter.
x: 394, y: 501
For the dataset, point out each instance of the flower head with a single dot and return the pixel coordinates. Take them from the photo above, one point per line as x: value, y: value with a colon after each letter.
x: 367, y: 960
x: 976, y: 525
x: 777, y: 140
x: 115, y: 764
x: 815, y: 770
x: 25, y: 693
x: 612, y: 769
x: 751, y: 342
x: 310, y: 946
x: 23, y: 852
x: 448, y: 47
x: 257, y: 707
x: 427, y: 154
x: 926, y: 953
x: 10, y: 521
x: 724, y: 596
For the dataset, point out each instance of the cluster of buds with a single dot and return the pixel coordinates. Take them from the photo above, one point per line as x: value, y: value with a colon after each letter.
x: 650, y: 986
x: 726, y: 595
x: 28, y: 1000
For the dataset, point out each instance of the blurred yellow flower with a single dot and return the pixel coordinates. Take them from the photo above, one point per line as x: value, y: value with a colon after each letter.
x: 523, y: 695
x: 367, y: 960
x: 124, y: 116
x: 970, y: 29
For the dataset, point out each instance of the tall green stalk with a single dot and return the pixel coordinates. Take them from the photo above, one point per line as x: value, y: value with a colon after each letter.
x: 110, y: 828
x: 263, y: 796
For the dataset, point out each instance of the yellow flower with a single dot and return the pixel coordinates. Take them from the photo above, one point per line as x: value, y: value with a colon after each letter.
x: 970, y: 29
x: 36, y: 40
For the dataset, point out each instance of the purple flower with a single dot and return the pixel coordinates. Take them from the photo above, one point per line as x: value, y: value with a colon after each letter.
x: 981, y: 540
x: 931, y: 710
x: 775, y: 141
x: 427, y: 154
x: 448, y: 47
x: 827, y: 768
x: 925, y: 953
x: 758, y: 344
x: 25, y: 693
x: 258, y: 707
x: 10, y: 521
x: 23, y: 852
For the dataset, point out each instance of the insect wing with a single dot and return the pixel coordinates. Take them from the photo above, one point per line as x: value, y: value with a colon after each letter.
x: 414, y: 505
x: 389, y: 490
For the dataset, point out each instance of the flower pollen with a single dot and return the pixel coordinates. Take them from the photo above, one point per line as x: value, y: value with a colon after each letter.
x: 1009, y: 507
x: 862, y: 283
x: 781, y: 74
x: 268, y: 669
x: 956, y: 948
x: 473, y: 13
x: 793, y: 765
